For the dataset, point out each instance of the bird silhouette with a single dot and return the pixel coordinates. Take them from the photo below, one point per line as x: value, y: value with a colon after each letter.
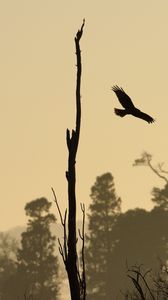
x: 130, y: 109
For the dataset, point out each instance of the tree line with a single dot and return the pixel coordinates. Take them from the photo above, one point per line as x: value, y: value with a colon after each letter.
x: 117, y: 246
x: 30, y: 271
x: 122, y: 247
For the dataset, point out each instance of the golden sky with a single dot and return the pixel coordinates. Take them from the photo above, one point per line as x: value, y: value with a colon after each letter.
x: 124, y: 43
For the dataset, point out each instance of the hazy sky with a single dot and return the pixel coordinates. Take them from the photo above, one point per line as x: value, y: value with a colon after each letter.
x: 124, y: 43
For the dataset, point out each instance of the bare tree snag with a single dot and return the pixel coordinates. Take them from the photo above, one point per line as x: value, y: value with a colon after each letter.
x: 146, y: 160
x: 68, y: 250
x: 72, y: 144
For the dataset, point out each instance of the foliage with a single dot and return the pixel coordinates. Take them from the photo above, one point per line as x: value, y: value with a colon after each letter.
x: 160, y: 196
x: 30, y: 272
x: 104, y: 210
x: 37, y: 264
x: 142, y: 239
x: 117, y: 240
x: 8, y: 246
x: 8, y: 266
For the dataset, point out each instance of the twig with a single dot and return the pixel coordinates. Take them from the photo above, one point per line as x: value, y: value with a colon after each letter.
x: 62, y: 249
x: 82, y: 237
x: 145, y: 160
x: 56, y: 202
x: 161, y: 169
x: 156, y: 171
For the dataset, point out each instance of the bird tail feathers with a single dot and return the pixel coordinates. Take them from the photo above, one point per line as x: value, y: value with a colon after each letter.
x: 120, y: 112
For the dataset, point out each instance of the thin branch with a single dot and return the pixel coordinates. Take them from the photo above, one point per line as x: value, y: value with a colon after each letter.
x: 82, y: 236
x: 145, y: 160
x: 56, y: 202
x: 62, y: 249
x: 160, y: 166
x: 137, y: 284
x: 65, y: 237
x: 156, y: 171
x: 145, y: 282
x: 138, y: 287
x: 79, y: 276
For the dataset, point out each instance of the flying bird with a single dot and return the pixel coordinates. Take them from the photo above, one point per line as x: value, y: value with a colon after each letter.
x: 130, y: 109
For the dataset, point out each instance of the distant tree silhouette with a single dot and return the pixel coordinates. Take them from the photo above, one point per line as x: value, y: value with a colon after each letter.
x: 37, y: 274
x: 160, y: 196
x: 8, y: 265
x: 117, y: 241
x: 104, y: 210
x: 142, y: 240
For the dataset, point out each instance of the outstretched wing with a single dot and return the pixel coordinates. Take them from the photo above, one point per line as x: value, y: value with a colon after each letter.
x: 124, y: 99
x: 145, y: 117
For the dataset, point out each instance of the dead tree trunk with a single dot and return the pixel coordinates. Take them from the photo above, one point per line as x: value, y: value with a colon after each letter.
x: 72, y: 144
x: 68, y: 250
